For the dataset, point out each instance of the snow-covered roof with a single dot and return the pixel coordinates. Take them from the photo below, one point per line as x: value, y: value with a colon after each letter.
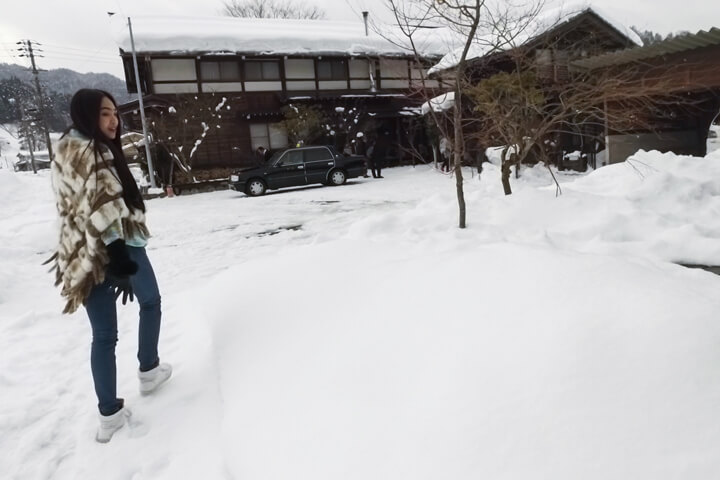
x: 676, y: 44
x: 552, y: 18
x: 265, y: 36
x: 441, y: 103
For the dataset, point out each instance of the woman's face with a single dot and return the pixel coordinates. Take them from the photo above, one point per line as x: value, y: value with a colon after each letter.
x: 108, y: 122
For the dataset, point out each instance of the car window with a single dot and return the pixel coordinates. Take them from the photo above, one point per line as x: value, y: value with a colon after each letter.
x: 293, y: 157
x: 275, y: 157
x: 317, y: 154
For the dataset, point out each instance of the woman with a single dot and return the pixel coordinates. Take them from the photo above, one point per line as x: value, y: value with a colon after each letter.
x: 101, y: 252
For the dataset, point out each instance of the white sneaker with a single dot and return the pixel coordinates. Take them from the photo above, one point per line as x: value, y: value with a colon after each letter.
x: 152, y: 379
x: 111, y: 424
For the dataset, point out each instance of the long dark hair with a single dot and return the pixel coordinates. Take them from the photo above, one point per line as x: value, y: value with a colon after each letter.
x: 85, y: 116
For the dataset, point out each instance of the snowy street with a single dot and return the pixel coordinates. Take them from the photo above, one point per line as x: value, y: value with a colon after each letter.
x: 355, y: 332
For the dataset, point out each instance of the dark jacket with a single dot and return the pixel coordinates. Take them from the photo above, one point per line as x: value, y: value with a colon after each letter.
x: 360, y: 147
x: 382, y: 144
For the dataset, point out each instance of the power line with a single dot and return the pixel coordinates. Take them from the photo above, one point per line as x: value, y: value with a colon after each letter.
x: 58, y: 53
x: 73, y: 50
x: 76, y: 54
x: 81, y: 59
x: 10, y: 52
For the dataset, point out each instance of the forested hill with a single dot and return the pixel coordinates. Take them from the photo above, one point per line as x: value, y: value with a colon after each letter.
x: 17, y: 88
x: 63, y: 80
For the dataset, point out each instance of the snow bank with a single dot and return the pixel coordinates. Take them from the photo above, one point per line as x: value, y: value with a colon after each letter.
x: 10, y: 184
x: 485, y: 361
x: 666, y: 204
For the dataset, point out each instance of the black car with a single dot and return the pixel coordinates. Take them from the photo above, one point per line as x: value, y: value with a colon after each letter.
x: 294, y: 167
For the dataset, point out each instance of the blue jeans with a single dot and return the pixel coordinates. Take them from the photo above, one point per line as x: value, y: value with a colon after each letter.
x: 100, y: 306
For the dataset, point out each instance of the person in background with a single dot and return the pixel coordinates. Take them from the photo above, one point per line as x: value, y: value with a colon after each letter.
x: 362, y: 150
x: 101, y: 250
x: 262, y: 154
x: 379, y: 152
x: 446, y: 153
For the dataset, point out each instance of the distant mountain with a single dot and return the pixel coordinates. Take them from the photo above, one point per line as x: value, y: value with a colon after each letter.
x: 66, y: 82
x: 18, y: 93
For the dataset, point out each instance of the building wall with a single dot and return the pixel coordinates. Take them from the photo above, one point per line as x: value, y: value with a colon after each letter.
x: 620, y: 147
x: 257, y: 88
x: 166, y: 74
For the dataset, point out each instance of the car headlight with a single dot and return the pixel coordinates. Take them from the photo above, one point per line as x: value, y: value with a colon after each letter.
x: 234, y: 178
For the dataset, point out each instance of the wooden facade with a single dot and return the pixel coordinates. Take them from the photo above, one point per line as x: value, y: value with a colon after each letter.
x: 686, y: 67
x: 355, y: 93
x: 679, y: 80
x: 551, y: 56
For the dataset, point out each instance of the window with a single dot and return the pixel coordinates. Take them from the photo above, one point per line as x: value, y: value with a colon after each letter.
x: 213, y: 71
x: 359, y: 68
x: 173, y: 70
x: 267, y: 135
x: 262, y: 70
x: 331, y: 70
x: 317, y: 154
x: 393, y: 68
x: 296, y: 68
x: 293, y: 157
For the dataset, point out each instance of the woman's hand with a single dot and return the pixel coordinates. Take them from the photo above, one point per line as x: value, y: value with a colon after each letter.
x: 121, y: 285
x: 119, y: 270
x: 120, y: 262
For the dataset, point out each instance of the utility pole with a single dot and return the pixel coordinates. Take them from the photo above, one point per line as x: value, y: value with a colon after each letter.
x: 29, y: 137
x: 29, y: 52
x: 151, y: 171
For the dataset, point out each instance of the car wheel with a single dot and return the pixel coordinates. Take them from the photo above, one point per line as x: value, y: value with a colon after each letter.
x: 255, y: 187
x: 337, y: 177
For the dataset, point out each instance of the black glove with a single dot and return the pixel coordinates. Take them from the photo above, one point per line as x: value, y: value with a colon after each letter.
x: 121, y: 284
x: 119, y: 270
x: 120, y: 263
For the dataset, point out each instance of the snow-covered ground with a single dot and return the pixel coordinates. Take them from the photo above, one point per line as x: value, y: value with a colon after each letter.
x: 9, y: 146
x: 356, y: 333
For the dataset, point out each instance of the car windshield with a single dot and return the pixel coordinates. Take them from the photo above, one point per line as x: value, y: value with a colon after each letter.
x: 275, y: 157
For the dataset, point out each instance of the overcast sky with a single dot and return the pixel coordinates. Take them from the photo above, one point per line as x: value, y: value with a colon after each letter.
x: 77, y: 34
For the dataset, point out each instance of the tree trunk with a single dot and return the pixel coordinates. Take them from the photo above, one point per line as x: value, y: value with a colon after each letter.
x: 505, y: 170
x: 480, y: 158
x: 31, y: 145
x: 506, y: 178
x: 172, y: 170
x: 457, y: 158
x: 460, y: 192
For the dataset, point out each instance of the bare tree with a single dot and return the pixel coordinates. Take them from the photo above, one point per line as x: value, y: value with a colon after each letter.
x: 480, y: 27
x: 505, y: 96
x: 183, y: 127
x: 530, y: 104
x: 271, y: 9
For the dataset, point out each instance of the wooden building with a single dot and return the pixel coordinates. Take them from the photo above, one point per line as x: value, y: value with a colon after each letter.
x: 677, y: 80
x: 548, y: 48
x: 254, y: 70
x: 687, y: 67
